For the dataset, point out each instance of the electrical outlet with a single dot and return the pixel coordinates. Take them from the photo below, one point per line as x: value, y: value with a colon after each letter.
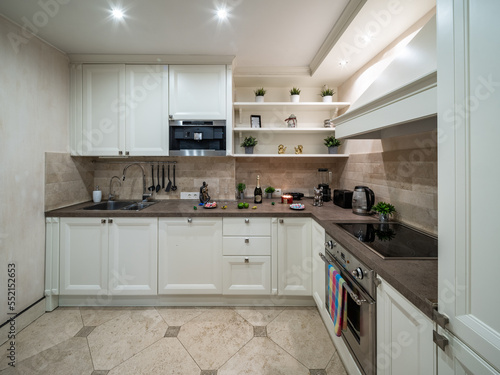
x: 277, y: 192
x: 190, y: 195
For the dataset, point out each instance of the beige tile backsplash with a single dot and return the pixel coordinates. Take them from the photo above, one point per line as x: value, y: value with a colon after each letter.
x: 401, y: 171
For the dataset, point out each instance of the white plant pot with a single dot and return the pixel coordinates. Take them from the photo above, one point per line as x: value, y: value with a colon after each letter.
x: 259, y: 99
x: 327, y: 99
x: 294, y: 98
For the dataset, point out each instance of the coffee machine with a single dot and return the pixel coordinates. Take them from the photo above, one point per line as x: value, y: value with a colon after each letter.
x: 325, y: 179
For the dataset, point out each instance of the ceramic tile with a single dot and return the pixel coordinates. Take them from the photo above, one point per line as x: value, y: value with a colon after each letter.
x: 335, y: 366
x: 120, y: 338
x: 178, y: 316
x: 43, y: 334
x: 165, y: 357
x: 69, y: 357
x: 172, y: 331
x: 96, y: 316
x: 208, y: 372
x: 262, y: 356
x: 85, y: 331
x: 301, y: 333
x: 259, y: 316
x: 317, y: 372
x: 215, y: 336
x: 259, y: 331
x: 100, y: 372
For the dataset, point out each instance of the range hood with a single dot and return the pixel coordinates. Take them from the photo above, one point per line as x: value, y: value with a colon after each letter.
x: 403, y: 99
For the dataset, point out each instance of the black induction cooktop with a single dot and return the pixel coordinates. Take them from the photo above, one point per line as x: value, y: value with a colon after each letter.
x: 393, y: 240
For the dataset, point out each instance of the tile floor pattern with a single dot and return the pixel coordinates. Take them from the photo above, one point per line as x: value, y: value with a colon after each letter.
x: 171, y: 340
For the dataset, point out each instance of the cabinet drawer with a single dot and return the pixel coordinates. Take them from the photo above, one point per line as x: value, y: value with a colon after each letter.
x: 246, y: 246
x: 241, y: 226
x: 247, y: 275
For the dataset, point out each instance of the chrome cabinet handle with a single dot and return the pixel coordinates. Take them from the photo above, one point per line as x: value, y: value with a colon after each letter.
x: 190, y: 220
x: 247, y: 240
x: 247, y: 221
x: 110, y: 221
x: 120, y: 152
x: 247, y: 260
x: 127, y: 153
x: 281, y: 221
x: 103, y: 221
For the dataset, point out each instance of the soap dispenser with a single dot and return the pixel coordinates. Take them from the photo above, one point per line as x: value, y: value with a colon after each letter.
x: 97, y: 194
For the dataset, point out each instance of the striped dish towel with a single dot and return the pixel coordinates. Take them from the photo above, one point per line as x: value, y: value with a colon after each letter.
x: 337, y: 302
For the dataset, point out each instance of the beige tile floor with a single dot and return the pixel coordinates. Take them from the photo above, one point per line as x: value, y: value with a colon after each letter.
x: 183, y: 341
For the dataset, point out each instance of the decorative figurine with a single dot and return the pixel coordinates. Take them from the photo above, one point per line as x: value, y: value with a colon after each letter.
x: 204, y: 197
x: 318, y: 197
x: 281, y: 149
x: 298, y: 149
x: 291, y: 121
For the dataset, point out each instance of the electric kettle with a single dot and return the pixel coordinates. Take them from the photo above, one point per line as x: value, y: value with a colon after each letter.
x: 362, y: 200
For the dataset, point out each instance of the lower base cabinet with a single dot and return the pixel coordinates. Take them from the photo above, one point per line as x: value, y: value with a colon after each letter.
x: 404, y: 335
x: 247, y: 275
x: 190, y: 256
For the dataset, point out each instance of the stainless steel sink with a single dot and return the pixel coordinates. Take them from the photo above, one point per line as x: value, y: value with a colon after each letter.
x: 120, y: 205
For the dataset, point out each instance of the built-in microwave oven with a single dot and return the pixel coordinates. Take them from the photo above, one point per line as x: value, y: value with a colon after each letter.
x: 197, y: 137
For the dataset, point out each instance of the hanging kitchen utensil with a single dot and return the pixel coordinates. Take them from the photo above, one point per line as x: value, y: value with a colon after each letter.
x: 169, y: 185
x: 158, y: 187
x: 174, y: 187
x: 163, y: 176
x: 152, y: 187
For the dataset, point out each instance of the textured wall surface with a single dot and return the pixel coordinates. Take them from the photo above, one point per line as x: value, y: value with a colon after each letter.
x: 34, y: 106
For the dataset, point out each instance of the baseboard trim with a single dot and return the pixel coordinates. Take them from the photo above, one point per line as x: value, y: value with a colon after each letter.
x: 23, y: 319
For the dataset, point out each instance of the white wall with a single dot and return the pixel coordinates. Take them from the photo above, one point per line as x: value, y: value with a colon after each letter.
x: 34, y: 114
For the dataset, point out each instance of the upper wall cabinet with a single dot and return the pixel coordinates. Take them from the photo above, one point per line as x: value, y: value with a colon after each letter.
x: 119, y: 109
x: 198, y: 92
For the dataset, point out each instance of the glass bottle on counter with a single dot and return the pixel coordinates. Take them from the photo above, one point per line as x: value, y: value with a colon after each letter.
x: 257, y: 193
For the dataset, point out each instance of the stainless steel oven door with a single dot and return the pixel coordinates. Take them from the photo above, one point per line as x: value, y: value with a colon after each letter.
x: 360, y: 333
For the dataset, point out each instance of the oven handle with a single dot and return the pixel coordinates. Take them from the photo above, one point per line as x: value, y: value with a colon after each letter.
x: 353, y: 295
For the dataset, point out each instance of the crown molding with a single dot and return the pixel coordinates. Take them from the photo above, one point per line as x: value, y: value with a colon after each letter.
x: 150, y: 59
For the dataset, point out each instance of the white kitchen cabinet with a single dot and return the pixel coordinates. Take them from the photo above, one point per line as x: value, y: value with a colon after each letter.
x: 133, y: 248
x: 83, y: 256
x: 294, y: 256
x: 190, y: 256
x: 318, y: 266
x: 468, y: 133
x: 51, y: 263
x: 113, y: 256
x: 146, y: 104
x: 404, y: 335
x: 124, y: 110
x: 197, y: 92
x: 247, y: 275
x: 247, y: 249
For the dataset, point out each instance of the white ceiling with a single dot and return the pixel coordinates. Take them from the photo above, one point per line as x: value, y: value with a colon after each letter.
x: 267, y: 37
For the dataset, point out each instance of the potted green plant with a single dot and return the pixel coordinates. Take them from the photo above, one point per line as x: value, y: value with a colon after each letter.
x: 295, y: 94
x: 249, y: 143
x: 269, y: 191
x: 384, y: 210
x: 259, y: 94
x: 327, y: 94
x: 241, y: 190
x: 333, y: 144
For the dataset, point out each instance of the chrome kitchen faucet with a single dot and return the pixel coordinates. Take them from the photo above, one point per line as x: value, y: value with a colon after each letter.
x: 145, y: 196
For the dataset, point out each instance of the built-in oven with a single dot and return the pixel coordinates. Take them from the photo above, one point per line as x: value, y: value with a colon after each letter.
x: 360, y: 332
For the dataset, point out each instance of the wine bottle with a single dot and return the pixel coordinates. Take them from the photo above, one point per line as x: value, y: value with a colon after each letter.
x: 257, y: 193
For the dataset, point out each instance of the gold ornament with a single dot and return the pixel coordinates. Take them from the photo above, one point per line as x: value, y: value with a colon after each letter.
x: 281, y: 149
x: 298, y: 149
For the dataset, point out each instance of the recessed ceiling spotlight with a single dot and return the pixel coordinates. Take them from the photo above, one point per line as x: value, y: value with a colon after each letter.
x: 117, y: 13
x: 222, y: 14
x: 343, y: 63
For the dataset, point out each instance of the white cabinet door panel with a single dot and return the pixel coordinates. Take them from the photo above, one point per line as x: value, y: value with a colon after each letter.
x: 246, y: 226
x: 246, y: 245
x: 247, y: 275
x: 146, y: 101
x: 83, y: 256
x: 318, y: 270
x: 190, y: 256
x: 103, y: 109
x: 132, y: 256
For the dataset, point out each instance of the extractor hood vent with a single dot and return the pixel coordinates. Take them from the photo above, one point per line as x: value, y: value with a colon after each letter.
x: 405, y: 92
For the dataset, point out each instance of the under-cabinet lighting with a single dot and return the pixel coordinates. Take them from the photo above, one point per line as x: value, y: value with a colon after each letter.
x: 343, y: 63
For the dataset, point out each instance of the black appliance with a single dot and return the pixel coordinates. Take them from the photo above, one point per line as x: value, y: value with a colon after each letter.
x: 342, y: 198
x: 197, y: 138
x: 325, y: 179
x: 296, y: 196
x: 394, y: 240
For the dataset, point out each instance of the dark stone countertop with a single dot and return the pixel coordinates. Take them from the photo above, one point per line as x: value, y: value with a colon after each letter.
x: 416, y: 280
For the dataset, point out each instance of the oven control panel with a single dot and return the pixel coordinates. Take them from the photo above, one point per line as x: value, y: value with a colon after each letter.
x: 358, y: 270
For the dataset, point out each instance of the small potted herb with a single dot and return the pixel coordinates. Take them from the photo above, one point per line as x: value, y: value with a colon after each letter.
x: 269, y: 191
x: 327, y: 94
x: 333, y: 144
x: 241, y: 190
x: 384, y: 210
x: 295, y: 94
x: 249, y: 143
x: 259, y: 95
